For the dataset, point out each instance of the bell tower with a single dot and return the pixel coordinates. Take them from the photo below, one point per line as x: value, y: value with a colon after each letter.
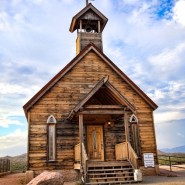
x: 89, y: 23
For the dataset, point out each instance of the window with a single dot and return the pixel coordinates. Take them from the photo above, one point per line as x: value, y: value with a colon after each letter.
x: 133, y: 119
x: 135, y: 134
x: 51, y: 121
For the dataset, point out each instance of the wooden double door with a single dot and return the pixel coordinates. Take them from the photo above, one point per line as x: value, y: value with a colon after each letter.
x: 95, y: 145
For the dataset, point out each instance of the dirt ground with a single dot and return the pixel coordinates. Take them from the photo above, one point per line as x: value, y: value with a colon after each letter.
x: 13, y: 179
x: 18, y: 179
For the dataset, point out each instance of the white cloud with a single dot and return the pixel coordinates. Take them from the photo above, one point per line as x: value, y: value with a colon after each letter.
x: 37, y: 1
x: 12, y: 89
x: 6, y: 121
x: 169, y: 91
x: 179, y: 12
x: 14, y: 143
x: 157, y: 95
x: 69, y: 1
x: 180, y: 134
x: 163, y: 117
x: 130, y: 2
x: 169, y: 61
x: 4, y: 23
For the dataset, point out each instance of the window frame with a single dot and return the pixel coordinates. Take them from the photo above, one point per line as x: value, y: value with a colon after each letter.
x: 134, y: 126
x: 51, y: 122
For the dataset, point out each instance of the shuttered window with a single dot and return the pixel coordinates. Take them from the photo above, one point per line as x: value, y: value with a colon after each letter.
x: 51, y: 122
x: 135, y: 134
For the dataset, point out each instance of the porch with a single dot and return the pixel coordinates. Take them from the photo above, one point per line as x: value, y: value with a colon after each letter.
x: 107, y: 125
x: 104, y: 153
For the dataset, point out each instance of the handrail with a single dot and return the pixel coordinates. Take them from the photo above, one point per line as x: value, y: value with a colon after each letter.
x: 84, y: 152
x: 81, y: 157
x: 125, y: 151
x: 84, y: 161
x: 132, y: 156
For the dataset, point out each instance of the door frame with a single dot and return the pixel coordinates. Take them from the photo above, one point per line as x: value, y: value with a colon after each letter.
x: 102, y: 150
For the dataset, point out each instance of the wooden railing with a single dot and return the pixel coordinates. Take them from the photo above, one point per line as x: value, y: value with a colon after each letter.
x: 121, y: 151
x: 4, y: 165
x: 84, y: 161
x: 125, y: 151
x: 132, y: 156
x: 172, y: 161
x: 77, y: 152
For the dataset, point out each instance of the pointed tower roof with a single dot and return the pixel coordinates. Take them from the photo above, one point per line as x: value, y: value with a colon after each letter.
x: 88, y: 13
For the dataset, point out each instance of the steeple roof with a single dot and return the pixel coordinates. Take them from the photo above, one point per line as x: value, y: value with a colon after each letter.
x: 88, y: 13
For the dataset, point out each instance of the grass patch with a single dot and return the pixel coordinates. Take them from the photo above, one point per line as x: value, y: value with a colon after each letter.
x: 175, y: 159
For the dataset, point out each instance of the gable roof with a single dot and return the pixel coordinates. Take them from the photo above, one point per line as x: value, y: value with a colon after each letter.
x: 104, y: 81
x: 71, y: 64
x: 75, y: 20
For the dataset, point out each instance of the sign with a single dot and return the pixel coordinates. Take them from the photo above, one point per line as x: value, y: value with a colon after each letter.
x: 148, y: 159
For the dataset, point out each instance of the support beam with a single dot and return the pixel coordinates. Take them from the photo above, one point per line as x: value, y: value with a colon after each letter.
x: 126, y: 131
x: 121, y: 107
x: 80, y: 25
x: 126, y: 126
x: 99, y: 28
x: 103, y: 112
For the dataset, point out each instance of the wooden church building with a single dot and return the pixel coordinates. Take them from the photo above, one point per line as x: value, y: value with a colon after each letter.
x: 91, y: 119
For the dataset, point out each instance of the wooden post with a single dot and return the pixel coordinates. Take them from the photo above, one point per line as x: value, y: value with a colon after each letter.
x: 80, y: 25
x: 170, y: 163
x: 28, y: 139
x: 81, y: 137
x: 99, y: 27
x: 126, y: 131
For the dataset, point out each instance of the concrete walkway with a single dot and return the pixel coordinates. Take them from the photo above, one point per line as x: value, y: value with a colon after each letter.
x: 153, y: 180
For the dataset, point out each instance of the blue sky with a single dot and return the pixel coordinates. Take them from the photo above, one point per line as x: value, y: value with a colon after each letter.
x: 145, y: 39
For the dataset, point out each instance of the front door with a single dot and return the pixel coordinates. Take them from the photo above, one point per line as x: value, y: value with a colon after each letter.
x: 95, y: 144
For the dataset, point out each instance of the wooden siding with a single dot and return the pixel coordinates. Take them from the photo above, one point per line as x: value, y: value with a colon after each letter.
x: 90, y: 15
x: 84, y: 38
x: 113, y: 135
x: 63, y: 97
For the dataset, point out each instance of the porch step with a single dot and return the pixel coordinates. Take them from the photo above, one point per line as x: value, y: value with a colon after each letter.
x: 109, y: 173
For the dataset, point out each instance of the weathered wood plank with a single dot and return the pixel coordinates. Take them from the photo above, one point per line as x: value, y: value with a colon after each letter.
x: 64, y: 96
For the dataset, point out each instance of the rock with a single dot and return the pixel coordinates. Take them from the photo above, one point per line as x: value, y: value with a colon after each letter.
x: 48, y: 178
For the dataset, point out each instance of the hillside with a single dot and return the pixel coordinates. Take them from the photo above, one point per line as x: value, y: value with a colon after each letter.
x: 18, y: 163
